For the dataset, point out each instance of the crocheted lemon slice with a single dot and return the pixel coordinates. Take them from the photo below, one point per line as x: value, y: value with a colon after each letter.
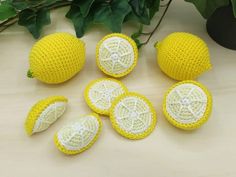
x: 79, y: 135
x: 187, y: 105
x: 116, y: 55
x: 44, y: 113
x: 56, y: 58
x: 133, y: 116
x: 100, y: 93
x: 183, y: 56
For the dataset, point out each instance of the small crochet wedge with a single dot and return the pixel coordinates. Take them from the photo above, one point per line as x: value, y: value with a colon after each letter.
x: 79, y: 135
x: 44, y: 113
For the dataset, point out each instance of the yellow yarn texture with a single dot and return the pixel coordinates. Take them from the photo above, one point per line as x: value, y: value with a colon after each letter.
x: 133, y: 116
x: 100, y: 93
x: 79, y: 135
x: 116, y: 55
x: 183, y: 56
x: 44, y: 113
x: 187, y: 105
x: 56, y: 58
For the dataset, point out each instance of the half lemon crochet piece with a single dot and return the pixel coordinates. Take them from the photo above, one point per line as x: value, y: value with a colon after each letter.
x: 44, y: 113
x: 133, y: 116
x: 116, y: 55
x: 183, y: 56
x: 79, y: 135
x: 187, y: 105
x: 100, y: 93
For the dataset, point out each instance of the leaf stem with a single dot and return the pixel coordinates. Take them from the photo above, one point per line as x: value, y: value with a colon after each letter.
x: 157, y: 25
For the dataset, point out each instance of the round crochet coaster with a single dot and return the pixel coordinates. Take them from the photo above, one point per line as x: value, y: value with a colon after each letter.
x: 100, y: 93
x: 116, y: 55
x: 79, y: 135
x: 187, y: 105
x: 133, y: 116
x: 44, y: 113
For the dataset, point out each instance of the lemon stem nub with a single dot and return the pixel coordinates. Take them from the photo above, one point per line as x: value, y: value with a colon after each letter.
x: 156, y: 43
x: 30, y: 74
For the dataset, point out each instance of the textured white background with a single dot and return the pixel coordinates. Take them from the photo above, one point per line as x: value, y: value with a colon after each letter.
x: 167, y: 152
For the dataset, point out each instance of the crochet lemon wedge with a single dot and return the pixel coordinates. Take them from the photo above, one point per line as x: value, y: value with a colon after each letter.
x: 100, y: 93
x: 56, y: 58
x: 183, y: 56
x: 187, y: 105
x: 79, y: 135
x: 44, y: 113
x: 133, y: 116
x: 116, y: 55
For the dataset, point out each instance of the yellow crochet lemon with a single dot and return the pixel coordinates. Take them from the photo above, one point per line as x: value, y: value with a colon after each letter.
x: 133, y: 116
x: 100, y: 93
x: 116, y: 55
x: 56, y: 58
x: 187, y: 105
x: 183, y: 56
x: 79, y: 135
x: 44, y: 113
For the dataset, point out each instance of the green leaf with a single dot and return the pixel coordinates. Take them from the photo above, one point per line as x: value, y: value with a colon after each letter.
x: 140, y: 10
x: 112, y: 14
x: 234, y: 7
x: 207, y: 7
x: 153, y: 6
x: 23, y: 4
x: 6, y: 11
x: 80, y: 22
x: 34, y: 20
x: 84, y: 6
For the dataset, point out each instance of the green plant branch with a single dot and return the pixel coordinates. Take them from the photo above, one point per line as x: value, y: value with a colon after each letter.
x: 11, y: 21
x: 157, y: 25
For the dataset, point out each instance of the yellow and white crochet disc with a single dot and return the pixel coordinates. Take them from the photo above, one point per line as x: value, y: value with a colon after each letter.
x: 44, y: 113
x: 100, y: 93
x: 79, y: 135
x: 116, y: 55
x: 187, y: 105
x: 133, y: 116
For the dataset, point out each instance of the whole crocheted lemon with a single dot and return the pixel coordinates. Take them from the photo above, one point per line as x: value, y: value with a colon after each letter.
x: 56, y: 58
x: 183, y: 56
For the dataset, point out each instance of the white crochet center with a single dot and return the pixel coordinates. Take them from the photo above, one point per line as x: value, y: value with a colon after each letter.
x: 133, y: 115
x: 116, y: 55
x: 49, y: 116
x: 104, y: 92
x: 186, y: 103
x: 78, y: 134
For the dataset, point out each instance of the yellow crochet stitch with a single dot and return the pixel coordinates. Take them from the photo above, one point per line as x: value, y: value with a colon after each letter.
x: 187, y: 105
x: 116, y: 55
x: 79, y: 135
x: 183, y: 56
x: 133, y: 116
x: 44, y: 113
x: 100, y: 93
x: 56, y: 58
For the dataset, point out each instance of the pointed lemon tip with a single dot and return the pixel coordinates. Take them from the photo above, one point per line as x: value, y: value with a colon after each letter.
x: 30, y: 74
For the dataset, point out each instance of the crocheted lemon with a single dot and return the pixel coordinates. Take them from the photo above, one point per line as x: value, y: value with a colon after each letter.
x: 133, y: 116
x: 100, y: 93
x: 56, y: 58
x: 116, y: 55
x: 79, y: 135
x: 44, y: 113
x: 187, y: 105
x: 183, y: 56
